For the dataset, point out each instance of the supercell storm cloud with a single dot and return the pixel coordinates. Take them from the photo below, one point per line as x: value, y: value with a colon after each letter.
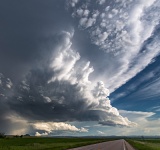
x: 62, y: 92
x: 60, y: 60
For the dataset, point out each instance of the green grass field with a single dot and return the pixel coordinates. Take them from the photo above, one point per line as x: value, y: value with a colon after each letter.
x: 35, y: 143
x: 149, y: 144
x: 45, y: 143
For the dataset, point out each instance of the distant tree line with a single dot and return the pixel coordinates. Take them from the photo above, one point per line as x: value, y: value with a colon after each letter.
x: 2, y: 135
x: 21, y: 136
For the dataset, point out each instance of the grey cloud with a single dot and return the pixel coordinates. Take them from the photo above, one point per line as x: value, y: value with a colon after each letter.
x: 56, y: 93
x: 31, y: 36
x: 101, y: 1
x: 24, y: 29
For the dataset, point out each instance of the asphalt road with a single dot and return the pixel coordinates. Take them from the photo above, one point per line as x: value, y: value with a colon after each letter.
x: 111, y: 145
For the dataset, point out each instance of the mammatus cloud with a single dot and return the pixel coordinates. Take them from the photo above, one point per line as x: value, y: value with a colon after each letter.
x: 62, y: 92
x: 126, y: 29
x: 5, y: 82
x: 100, y: 2
x: 72, y: 2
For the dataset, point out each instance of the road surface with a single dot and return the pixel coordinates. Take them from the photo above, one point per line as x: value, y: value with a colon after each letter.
x: 111, y: 145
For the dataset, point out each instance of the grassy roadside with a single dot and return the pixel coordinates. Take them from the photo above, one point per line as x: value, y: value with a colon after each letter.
x: 46, y: 143
x: 145, y: 145
x: 35, y: 143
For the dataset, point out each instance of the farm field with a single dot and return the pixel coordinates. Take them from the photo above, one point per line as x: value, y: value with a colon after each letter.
x: 148, y: 144
x: 34, y: 143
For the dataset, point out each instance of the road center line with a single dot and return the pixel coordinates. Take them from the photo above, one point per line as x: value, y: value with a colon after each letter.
x: 124, y: 147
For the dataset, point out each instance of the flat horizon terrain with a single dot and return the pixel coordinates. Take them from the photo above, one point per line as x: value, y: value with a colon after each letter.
x: 147, y: 144
x: 51, y: 143
x: 46, y: 143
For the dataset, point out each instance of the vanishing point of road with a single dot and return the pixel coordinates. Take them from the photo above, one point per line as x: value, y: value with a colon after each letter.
x: 111, y: 145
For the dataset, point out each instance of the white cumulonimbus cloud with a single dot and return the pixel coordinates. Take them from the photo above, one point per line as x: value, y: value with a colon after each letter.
x: 67, y: 67
x: 49, y: 127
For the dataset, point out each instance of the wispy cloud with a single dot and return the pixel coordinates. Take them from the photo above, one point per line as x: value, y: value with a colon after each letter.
x: 127, y: 30
x: 156, y: 108
x: 100, y: 132
x: 145, y: 126
x: 149, y: 91
x: 140, y: 88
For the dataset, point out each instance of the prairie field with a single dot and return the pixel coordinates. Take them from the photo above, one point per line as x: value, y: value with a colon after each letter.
x: 34, y: 143
x: 50, y: 143
x: 148, y: 144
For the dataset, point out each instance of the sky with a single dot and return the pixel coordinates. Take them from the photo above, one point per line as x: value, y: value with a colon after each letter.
x: 80, y: 67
